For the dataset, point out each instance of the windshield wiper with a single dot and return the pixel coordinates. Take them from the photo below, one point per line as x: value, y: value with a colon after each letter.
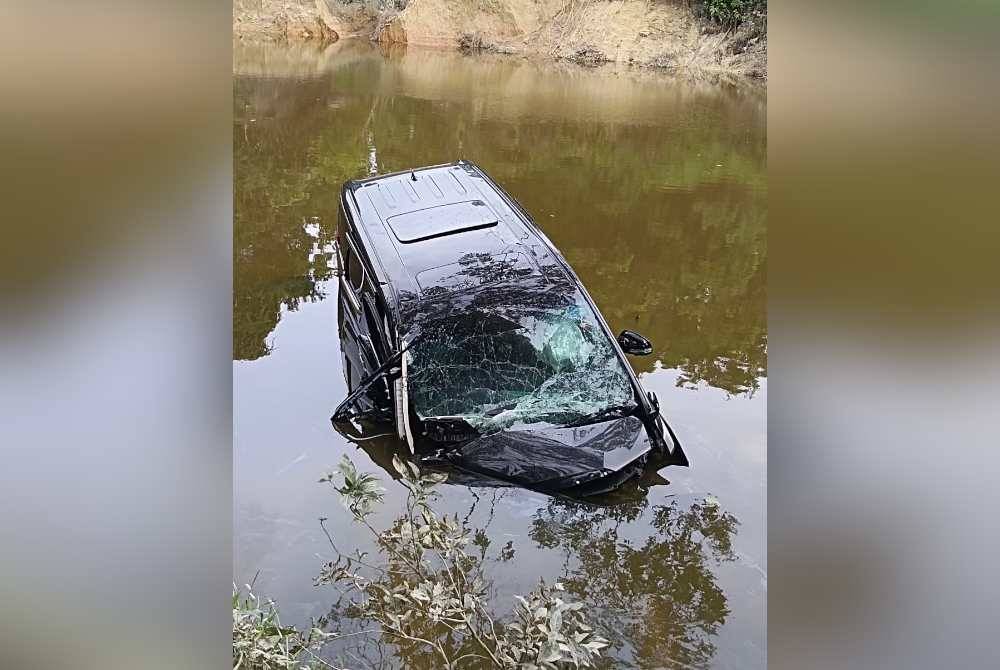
x: 605, y: 414
x: 449, y: 429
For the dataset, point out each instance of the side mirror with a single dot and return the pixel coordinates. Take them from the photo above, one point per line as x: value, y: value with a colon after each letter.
x: 634, y: 343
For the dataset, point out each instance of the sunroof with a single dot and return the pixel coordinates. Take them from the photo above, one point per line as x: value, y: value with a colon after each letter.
x: 431, y: 222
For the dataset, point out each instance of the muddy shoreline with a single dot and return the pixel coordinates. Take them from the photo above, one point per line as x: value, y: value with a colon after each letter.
x: 667, y: 37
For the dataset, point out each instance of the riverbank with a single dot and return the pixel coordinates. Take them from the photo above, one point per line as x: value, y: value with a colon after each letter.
x: 665, y: 35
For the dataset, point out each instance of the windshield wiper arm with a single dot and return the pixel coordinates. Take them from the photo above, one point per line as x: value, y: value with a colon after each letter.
x: 613, y: 412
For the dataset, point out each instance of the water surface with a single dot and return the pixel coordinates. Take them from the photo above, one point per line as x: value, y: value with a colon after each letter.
x: 653, y: 188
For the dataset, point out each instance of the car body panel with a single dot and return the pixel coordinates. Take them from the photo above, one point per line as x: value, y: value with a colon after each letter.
x: 556, y: 455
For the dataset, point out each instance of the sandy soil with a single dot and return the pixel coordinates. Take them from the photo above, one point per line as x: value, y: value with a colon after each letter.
x: 300, y: 20
x: 660, y: 33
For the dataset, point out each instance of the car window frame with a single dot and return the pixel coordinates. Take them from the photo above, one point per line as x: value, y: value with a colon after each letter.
x: 365, y: 302
x: 353, y: 294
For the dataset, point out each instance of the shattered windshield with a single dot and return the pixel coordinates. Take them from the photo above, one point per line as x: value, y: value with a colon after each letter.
x: 519, y: 359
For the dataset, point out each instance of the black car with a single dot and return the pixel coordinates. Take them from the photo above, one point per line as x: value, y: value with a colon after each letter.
x: 467, y: 334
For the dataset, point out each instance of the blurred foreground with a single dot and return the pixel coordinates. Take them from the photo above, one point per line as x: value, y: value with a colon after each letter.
x: 883, y: 319
x: 116, y: 343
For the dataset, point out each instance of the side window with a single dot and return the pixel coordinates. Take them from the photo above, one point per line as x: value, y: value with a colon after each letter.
x: 350, y: 263
x: 355, y: 271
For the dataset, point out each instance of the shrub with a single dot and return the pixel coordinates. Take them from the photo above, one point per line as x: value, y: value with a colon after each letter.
x: 261, y: 642
x: 589, y: 55
x: 731, y: 13
x: 429, y: 593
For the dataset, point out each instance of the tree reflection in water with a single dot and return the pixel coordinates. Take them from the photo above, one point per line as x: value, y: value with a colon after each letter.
x: 664, y: 222
x: 657, y: 599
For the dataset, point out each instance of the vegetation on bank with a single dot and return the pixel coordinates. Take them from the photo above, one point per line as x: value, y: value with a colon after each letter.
x: 727, y: 13
x: 427, y: 592
x: 694, y: 35
x: 261, y: 642
x: 732, y: 13
x: 425, y: 596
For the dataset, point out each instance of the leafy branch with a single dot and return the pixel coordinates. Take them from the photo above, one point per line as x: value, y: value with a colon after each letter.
x: 430, y: 594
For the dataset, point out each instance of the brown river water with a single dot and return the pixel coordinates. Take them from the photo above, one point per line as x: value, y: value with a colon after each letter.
x: 655, y: 191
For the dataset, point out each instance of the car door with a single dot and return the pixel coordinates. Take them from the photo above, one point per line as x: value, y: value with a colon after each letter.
x: 364, y: 348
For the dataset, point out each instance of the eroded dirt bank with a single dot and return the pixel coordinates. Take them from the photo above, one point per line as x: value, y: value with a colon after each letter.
x: 662, y: 34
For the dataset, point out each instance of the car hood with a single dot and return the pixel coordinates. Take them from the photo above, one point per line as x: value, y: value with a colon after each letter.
x: 556, y: 457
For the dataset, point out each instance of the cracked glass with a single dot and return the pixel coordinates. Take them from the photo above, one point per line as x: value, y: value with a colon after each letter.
x: 517, y: 356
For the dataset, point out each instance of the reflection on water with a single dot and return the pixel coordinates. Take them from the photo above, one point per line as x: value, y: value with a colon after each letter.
x: 657, y: 598
x: 657, y: 201
x: 655, y: 192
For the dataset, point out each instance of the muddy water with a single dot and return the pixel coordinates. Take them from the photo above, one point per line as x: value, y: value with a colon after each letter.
x: 653, y: 188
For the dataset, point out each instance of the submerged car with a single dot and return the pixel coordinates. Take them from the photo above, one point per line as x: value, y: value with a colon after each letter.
x: 467, y: 334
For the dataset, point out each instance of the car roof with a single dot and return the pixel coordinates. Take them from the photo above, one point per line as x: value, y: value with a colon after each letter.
x: 431, y: 227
